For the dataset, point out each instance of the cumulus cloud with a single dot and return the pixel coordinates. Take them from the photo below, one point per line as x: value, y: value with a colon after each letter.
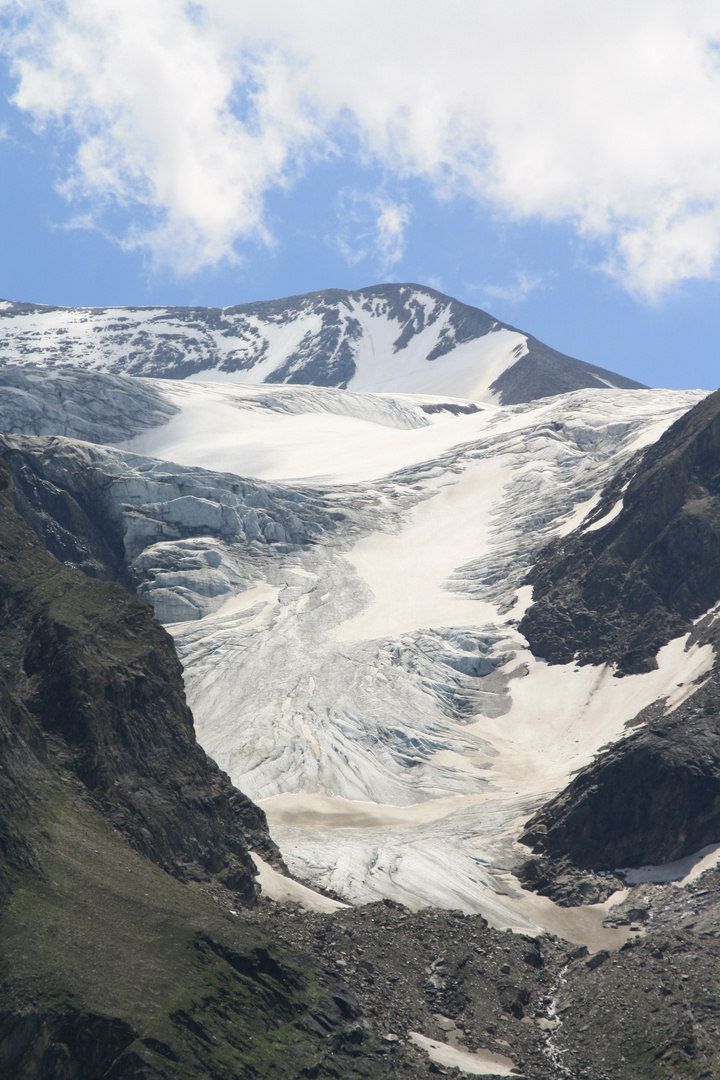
x: 606, y: 116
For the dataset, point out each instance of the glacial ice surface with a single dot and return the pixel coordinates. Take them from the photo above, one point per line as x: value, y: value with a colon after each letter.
x: 373, y: 692
x: 349, y: 636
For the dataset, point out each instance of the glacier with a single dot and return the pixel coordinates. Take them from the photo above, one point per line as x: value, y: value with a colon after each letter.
x: 342, y: 574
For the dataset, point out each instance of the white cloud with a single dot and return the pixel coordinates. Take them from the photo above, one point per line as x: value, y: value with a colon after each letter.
x: 603, y: 115
x: 516, y: 291
x: 372, y: 226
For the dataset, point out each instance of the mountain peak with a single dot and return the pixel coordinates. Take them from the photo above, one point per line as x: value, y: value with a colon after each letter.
x: 400, y: 338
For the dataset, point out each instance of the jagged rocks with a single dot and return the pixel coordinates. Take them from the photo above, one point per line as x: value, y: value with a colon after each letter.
x: 559, y: 880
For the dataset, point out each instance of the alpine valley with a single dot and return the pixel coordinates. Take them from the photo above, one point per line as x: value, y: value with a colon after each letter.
x: 359, y: 699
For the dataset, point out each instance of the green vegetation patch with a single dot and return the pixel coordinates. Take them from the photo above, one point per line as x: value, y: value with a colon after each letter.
x: 108, y: 934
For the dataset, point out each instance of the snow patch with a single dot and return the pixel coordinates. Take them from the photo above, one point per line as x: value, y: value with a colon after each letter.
x: 606, y: 518
x: 303, y: 433
x: 477, y: 1062
x: 286, y: 890
x: 580, y: 512
x: 681, y: 872
x: 407, y: 571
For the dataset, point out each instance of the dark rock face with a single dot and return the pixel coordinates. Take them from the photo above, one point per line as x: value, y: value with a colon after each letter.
x: 90, y: 687
x: 71, y: 1044
x: 560, y: 880
x: 249, y: 1012
x: 653, y: 798
x: 616, y: 595
x: 543, y: 372
x: 619, y: 593
x: 70, y: 518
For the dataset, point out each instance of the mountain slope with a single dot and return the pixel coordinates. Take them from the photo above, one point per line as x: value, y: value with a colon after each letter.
x: 350, y: 647
x: 645, y: 563
x: 395, y: 338
x: 642, y: 569
x: 91, y: 685
x: 352, y: 655
x: 123, y: 858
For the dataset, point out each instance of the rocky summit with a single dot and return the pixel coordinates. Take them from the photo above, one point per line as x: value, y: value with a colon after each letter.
x: 359, y: 699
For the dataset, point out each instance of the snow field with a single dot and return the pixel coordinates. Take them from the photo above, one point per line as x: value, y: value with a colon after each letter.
x: 370, y: 687
x: 229, y: 429
x: 350, y: 647
x: 285, y: 890
x: 244, y: 347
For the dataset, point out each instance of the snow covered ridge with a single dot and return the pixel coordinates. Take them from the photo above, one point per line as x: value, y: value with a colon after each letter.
x: 391, y: 338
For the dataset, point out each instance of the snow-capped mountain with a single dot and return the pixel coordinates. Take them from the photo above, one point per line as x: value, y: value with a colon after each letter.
x: 387, y: 338
x: 463, y: 654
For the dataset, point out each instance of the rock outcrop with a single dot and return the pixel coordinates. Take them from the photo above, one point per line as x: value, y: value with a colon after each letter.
x: 652, y: 798
x: 91, y: 691
x: 639, y: 572
x: 617, y: 590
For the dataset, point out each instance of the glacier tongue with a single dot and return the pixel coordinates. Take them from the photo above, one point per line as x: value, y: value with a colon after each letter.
x: 374, y: 693
x: 350, y: 638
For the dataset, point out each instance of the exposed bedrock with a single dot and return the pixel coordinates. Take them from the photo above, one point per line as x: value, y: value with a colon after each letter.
x: 652, y: 798
x: 543, y: 372
x: 637, y: 573
x: 617, y: 592
x: 91, y: 691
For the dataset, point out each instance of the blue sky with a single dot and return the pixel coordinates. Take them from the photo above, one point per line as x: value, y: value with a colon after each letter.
x: 171, y: 153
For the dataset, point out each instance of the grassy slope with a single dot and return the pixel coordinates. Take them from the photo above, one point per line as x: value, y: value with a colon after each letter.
x: 109, y: 933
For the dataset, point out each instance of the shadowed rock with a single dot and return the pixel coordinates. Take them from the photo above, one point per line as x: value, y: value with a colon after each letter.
x: 91, y: 688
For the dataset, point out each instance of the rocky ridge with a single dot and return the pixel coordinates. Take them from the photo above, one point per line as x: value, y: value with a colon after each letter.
x: 644, y: 564
x: 118, y: 838
x: 646, y: 574
x: 650, y: 798
x: 554, y: 1011
x: 334, y: 337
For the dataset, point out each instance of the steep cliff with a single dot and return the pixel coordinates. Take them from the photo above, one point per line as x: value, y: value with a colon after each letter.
x: 124, y: 858
x: 92, y: 690
x: 642, y: 570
